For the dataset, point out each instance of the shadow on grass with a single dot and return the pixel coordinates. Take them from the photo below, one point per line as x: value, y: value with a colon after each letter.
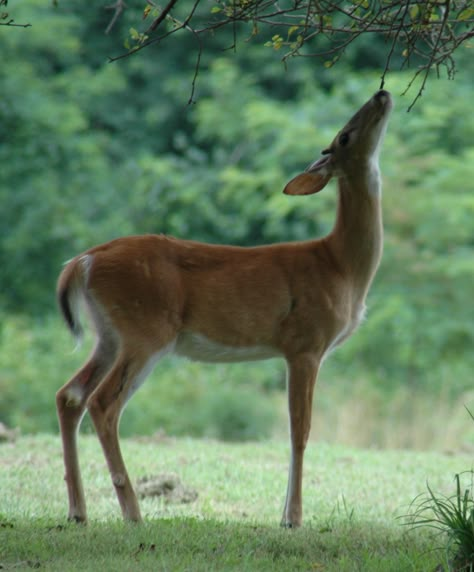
x: 194, y: 545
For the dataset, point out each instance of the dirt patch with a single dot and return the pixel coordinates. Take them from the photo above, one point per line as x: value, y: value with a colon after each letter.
x: 8, y: 435
x: 168, y: 486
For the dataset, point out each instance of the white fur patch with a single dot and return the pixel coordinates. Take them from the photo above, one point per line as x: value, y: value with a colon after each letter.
x: 74, y: 396
x: 349, y: 329
x: 197, y: 347
x: 86, y: 262
x: 374, y: 181
x: 147, y: 369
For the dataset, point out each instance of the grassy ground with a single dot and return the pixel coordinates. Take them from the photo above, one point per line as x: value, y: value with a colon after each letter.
x: 352, y: 500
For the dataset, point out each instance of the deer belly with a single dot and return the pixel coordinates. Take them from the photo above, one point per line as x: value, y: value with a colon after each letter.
x: 198, y: 347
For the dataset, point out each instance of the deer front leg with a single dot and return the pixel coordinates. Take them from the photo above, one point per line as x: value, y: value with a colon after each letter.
x: 302, y: 372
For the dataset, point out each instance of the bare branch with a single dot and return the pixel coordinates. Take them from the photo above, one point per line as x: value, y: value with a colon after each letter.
x: 118, y: 8
x: 197, y: 67
x: 11, y: 24
x: 167, y: 9
x: 7, y: 21
x: 394, y: 43
x: 433, y: 53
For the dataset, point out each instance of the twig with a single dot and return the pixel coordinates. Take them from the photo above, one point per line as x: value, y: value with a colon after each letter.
x: 431, y: 40
x: 433, y: 54
x: 11, y: 24
x: 118, y: 8
x: 162, y: 16
x: 392, y: 48
x: 197, y: 67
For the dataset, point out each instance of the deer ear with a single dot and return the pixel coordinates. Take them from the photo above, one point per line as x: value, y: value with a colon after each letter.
x: 305, y: 184
x: 313, y: 180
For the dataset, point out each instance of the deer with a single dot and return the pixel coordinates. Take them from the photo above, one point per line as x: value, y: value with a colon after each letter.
x: 151, y: 295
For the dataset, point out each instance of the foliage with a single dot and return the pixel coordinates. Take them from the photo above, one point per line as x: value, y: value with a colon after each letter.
x: 92, y: 151
x: 454, y: 517
x: 189, y: 399
x: 235, y: 414
x: 354, y: 406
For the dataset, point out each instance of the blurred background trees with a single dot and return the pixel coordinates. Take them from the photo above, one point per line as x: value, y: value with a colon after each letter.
x: 91, y: 150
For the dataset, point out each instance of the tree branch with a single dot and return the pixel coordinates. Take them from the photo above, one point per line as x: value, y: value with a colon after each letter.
x: 118, y: 8
x: 7, y: 21
x: 11, y: 24
x: 432, y: 31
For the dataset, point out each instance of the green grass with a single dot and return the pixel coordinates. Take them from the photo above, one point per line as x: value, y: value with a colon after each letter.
x: 453, y: 516
x: 351, y: 502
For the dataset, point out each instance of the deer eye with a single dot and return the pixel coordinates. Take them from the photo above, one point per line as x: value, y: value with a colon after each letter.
x: 344, y: 139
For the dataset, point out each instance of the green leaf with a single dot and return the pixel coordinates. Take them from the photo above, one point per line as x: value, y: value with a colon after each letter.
x: 414, y: 11
x: 465, y: 14
x: 292, y: 30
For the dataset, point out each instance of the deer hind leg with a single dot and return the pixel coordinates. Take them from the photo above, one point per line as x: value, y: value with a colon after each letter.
x: 71, y: 402
x: 105, y: 407
x: 302, y: 372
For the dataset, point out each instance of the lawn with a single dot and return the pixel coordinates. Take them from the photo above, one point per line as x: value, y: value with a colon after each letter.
x: 352, y: 501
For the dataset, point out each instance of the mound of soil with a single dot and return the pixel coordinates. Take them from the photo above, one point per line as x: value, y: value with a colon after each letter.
x: 7, y: 435
x: 166, y: 485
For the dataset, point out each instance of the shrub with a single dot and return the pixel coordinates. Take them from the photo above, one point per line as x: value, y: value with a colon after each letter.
x: 181, y: 397
x: 452, y: 516
x: 239, y: 414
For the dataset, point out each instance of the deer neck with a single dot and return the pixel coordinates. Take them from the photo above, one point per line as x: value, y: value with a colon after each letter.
x: 357, y: 237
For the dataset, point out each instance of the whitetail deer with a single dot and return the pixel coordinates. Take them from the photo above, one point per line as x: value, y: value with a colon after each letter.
x: 151, y: 295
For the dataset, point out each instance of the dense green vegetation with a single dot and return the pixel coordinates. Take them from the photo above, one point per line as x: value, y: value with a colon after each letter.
x: 90, y: 151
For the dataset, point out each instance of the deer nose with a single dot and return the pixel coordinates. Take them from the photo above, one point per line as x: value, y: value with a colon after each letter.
x: 382, y: 94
